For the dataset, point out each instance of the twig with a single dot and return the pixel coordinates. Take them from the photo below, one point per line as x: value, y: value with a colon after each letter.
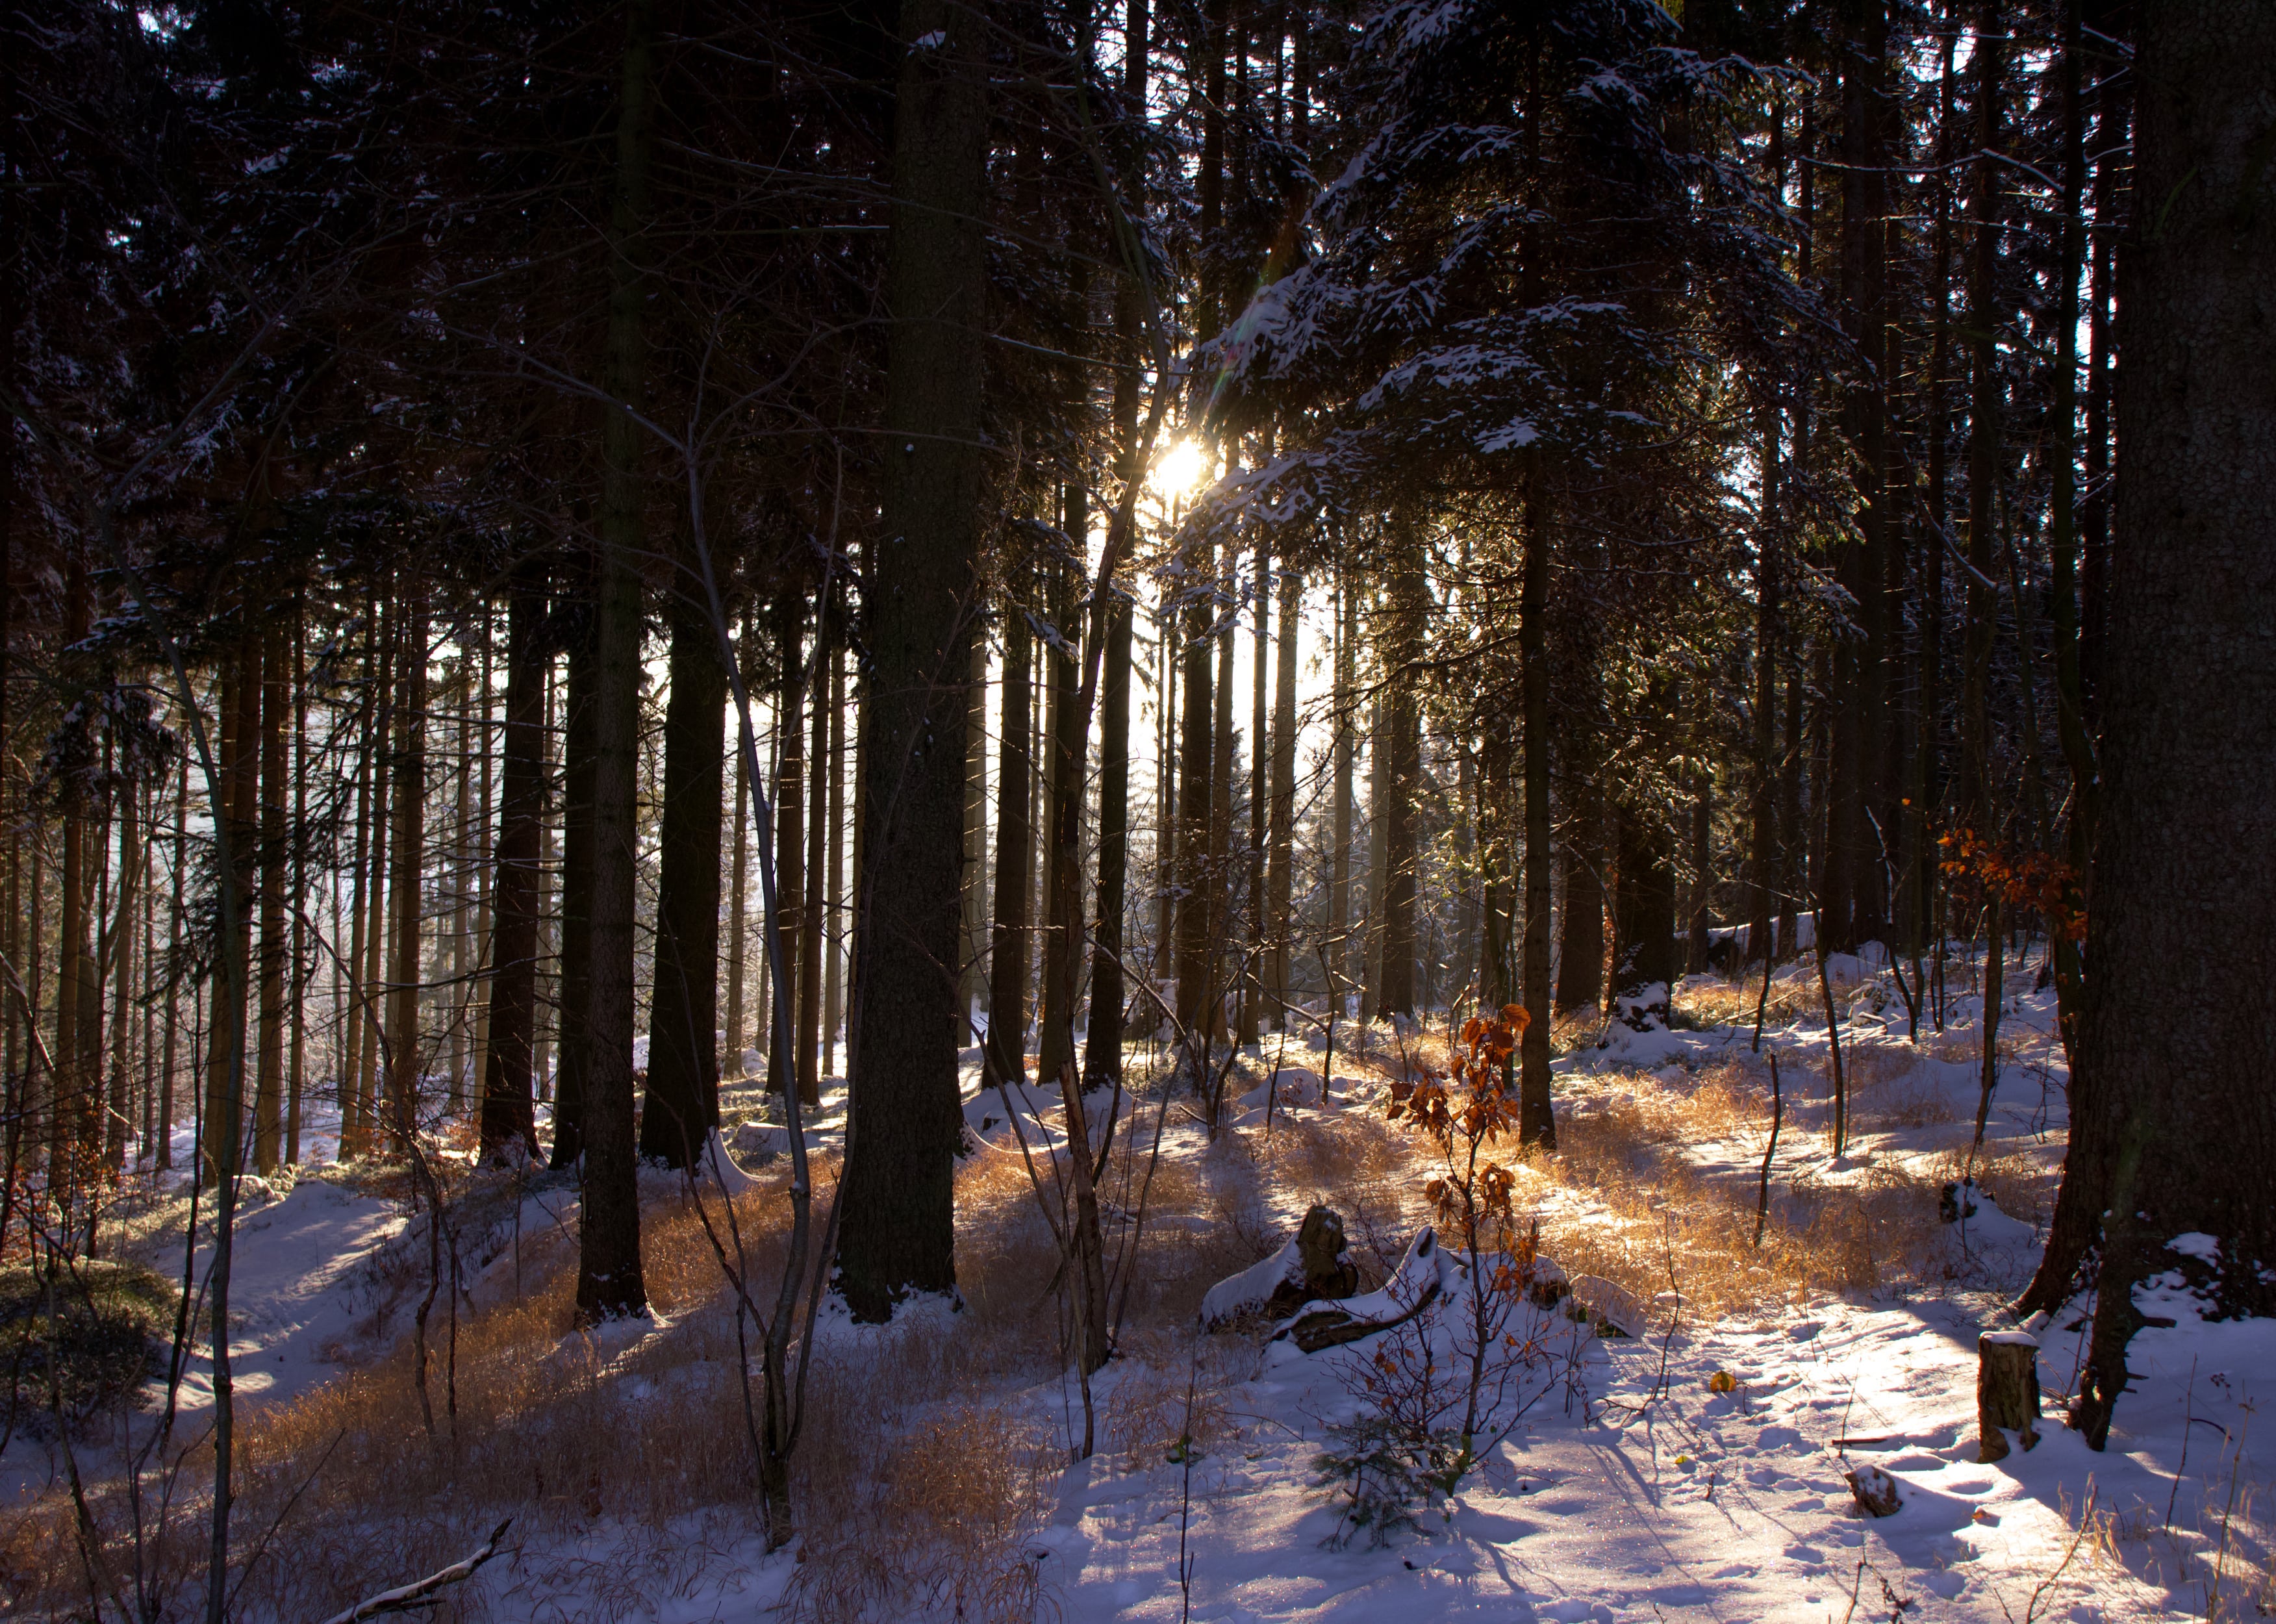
x: 1834, y: 1048
x: 1778, y: 1115
x: 2188, y: 1416
x: 2085, y: 1522
x: 2220, y: 1555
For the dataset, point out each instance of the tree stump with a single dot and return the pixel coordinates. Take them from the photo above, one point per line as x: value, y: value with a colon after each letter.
x: 2007, y: 1391
x: 1329, y: 1273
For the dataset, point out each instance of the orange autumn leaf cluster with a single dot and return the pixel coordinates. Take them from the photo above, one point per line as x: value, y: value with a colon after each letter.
x: 1466, y: 1109
x: 2036, y: 880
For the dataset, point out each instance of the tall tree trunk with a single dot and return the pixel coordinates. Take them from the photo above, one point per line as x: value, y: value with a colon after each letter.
x: 1930, y: 768
x: 509, y: 1111
x: 1168, y: 865
x: 2062, y: 534
x: 1195, y: 782
x: 1102, y: 1042
x: 409, y: 794
x: 372, y: 1010
x: 1223, y: 955
x: 124, y: 907
x: 1853, y: 903
x: 833, y: 870
x: 179, y: 869
x: 905, y: 1126
x: 296, y: 1062
x: 461, y: 867
x: 683, y: 1057
x: 738, y: 910
x: 1537, y: 1119
x: 1342, y: 700
x: 1280, y: 882
x: 1982, y: 432
x: 1581, y: 946
x: 790, y: 819
x: 485, y: 859
x: 1792, y: 850
x: 74, y: 1080
x: 2173, y: 1125
x: 1006, y: 1056
x: 1260, y: 915
x: 1068, y: 749
x: 269, y: 1085
x: 1643, y: 905
x: 1702, y: 883
x: 572, y: 1055
x: 609, y: 1281
x: 1378, y: 804
x: 812, y: 948
x: 237, y: 765
x: 2113, y: 161
x: 971, y: 988
x: 1103, y: 1047
x: 1762, y: 871
x: 1501, y: 977
x: 1401, y: 743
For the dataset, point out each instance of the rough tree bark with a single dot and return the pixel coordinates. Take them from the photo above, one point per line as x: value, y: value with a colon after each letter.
x: 1280, y: 880
x: 2173, y: 1125
x: 508, y: 1087
x: 609, y: 1281
x: 1005, y: 1056
x: 905, y: 1126
x: 790, y: 818
x: 571, y: 1052
x: 1536, y: 1123
x: 682, y: 1102
x: 269, y: 1077
x: 1402, y: 743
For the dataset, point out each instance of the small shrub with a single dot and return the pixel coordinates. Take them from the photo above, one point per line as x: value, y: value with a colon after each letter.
x: 1385, y: 1475
x: 80, y: 1338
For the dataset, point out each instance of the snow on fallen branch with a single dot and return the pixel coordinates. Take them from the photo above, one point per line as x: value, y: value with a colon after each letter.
x: 422, y: 1592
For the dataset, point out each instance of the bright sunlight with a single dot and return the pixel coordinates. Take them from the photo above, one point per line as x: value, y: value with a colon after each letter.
x: 1181, y: 470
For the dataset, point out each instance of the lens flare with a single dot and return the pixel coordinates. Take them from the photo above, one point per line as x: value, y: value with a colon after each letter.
x: 1181, y: 470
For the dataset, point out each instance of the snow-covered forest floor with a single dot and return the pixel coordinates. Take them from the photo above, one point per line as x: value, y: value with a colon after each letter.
x: 1678, y: 1451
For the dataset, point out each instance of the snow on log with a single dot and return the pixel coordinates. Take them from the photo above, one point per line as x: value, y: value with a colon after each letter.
x: 1312, y: 1266
x: 1422, y: 1278
x: 420, y: 1593
x: 2007, y: 1391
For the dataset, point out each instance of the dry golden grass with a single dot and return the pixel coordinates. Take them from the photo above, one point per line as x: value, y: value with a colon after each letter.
x: 1966, y: 1046
x: 624, y: 1457
x: 1720, y: 1002
x: 930, y: 1520
x: 1169, y: 1390
x: 1575, y: 1028
x: 1646, y: 1210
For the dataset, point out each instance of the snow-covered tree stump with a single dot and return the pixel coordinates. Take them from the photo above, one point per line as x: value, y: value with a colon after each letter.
x: 2007, y: 1391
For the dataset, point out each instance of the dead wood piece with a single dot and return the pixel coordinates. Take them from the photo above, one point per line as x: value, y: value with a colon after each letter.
x: 1875, y: 1490
x: 1329, y: 1328
x: 2007, y: 1391
x: 421, y: 1593
x: 1329, y: 1273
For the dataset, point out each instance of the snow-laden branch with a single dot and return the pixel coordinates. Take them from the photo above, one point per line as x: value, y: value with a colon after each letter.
x: 420, y: 1592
